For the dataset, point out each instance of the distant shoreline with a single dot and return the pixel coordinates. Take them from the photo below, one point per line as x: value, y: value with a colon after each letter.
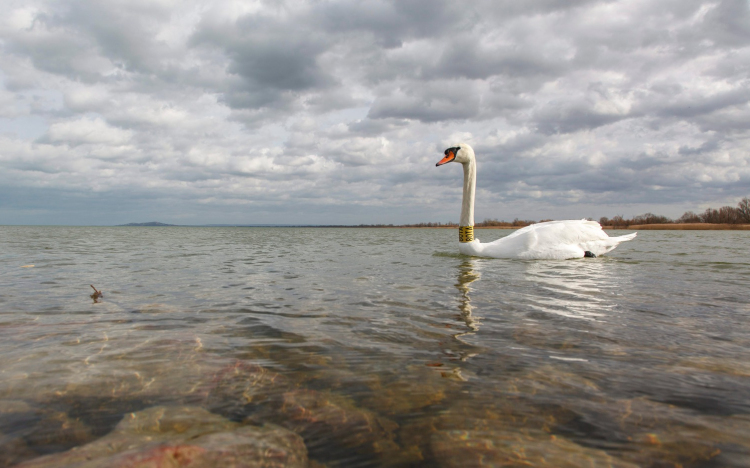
x: 685, y: 227
x: 634, y: 227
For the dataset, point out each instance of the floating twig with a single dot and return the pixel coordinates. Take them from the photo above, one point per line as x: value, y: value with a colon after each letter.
x: 97, y: 294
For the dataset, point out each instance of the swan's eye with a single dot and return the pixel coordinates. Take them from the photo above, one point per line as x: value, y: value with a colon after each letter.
x: 452, y: 152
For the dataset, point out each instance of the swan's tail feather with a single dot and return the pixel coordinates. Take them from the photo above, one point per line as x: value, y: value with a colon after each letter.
x: 624, y: 238
x: 613, y: 242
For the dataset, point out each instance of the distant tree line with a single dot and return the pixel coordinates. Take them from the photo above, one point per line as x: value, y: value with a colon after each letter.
x: 515, y: 223
x: 723, y: 215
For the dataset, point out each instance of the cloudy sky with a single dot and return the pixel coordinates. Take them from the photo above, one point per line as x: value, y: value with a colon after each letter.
x: 335, y: 112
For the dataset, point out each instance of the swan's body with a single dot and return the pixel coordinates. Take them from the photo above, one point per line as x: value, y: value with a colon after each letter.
x: 550, y: 240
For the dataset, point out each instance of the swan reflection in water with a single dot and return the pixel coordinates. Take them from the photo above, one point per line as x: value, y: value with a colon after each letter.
x: 574, y: 289
x: 467, y: 274
x: 582, y: 290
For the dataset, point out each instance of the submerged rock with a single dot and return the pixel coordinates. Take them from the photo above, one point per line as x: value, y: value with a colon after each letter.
x: 25, y: 431
x: 474, y: 417
x: 14, y: 450
x: 119, y: 375
x: 508, y: 431
x: 329, y: 422
x: 58, y: 431
x: 720, y: 365
x: 309, y: 411
x: 182, y: 421
x: 235, y: 388
x: 407, y: 393
x: 467, y: 448
x: 550, y: 380
x: 658, y: 434
x: 183, y: 437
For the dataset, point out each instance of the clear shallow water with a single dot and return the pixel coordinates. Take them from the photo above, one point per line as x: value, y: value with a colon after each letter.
x: 382, y: 347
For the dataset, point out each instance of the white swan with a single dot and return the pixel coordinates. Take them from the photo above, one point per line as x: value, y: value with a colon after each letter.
x: 550, y: 240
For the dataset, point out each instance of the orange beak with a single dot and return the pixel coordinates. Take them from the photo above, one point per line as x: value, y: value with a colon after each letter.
x: 449, y: 156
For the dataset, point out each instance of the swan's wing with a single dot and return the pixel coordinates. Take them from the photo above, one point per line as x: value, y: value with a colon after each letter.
x: 564, y: 239
x: 579, y: 236
x: 512, y: 245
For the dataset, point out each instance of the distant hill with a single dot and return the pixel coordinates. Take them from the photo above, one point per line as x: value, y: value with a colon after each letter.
x: 152, y: 223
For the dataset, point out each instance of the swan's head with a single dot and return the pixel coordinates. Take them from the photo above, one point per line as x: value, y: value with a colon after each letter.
x: 462, y: 153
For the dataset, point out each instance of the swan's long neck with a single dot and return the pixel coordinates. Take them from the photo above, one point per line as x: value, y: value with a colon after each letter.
x: 470, y: 182
x: 466, y: 224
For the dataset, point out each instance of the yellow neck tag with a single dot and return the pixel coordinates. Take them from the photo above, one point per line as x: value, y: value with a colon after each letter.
x: 466, y: 233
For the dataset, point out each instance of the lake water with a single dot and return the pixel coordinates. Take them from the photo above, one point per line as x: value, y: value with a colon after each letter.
x: 381, y: 347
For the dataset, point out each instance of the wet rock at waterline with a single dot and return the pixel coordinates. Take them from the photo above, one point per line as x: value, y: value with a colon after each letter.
x: 183, y: 437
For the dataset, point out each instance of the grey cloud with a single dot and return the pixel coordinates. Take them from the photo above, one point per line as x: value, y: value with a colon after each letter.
x: 274, y: 59
x: 430, y: 102
x: 708, y: 146
x: 278, y: 65
x: 392, y: 21
x: 469, y: 58
x: 370, y: 127
x: 126, y: 33
x: 494, y: 104
x: 727, y: 23
x: 86, y: 40
x: 249, y: 96
x: 330, y: 99
x: 56, y: 50
x: 736, y: 122
x: 515, y: 145
x: 725, y: 111
x: 692, y: 106
x: 557, y: 118
x: 510, y: 9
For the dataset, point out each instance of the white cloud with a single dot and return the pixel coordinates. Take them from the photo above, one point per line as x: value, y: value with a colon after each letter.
x: 88, y: 130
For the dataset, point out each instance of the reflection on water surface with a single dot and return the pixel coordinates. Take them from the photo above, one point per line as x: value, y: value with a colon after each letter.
x: 369, y: 347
